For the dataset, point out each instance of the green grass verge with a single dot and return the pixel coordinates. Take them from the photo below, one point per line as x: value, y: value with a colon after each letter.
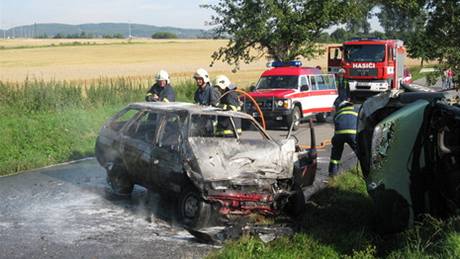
x: 338, y: 223
x: 31, y: 140
x: 48, y: 122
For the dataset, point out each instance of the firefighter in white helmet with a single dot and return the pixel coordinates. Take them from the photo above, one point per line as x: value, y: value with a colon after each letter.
x: 162, y: 90
x: 228, y: 101
x: 205, y: 94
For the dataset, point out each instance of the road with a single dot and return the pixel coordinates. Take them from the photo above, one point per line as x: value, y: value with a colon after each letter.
x: 67, y: 211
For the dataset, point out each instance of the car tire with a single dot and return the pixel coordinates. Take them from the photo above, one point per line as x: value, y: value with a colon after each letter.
x: 119, y: 180
x: 321, y: 117
x: 193, y: 211
x: 294, y: 116
x: 296, y: 202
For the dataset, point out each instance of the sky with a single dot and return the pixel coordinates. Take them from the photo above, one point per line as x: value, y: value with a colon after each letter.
x: 175, y: 13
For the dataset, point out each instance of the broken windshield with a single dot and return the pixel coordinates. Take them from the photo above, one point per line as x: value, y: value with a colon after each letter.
x: 219, y: 126
x: 278, y: 82
x: 364, y: 53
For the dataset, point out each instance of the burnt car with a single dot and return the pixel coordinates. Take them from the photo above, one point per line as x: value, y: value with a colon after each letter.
x: 177, y: 150
x: 409, y: 150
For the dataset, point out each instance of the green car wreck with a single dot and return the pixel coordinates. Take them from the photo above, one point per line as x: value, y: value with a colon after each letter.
x: 409, y: 150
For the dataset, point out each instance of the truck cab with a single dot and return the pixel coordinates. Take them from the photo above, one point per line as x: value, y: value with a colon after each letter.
x: 371, y: 65
x: 287, y: 92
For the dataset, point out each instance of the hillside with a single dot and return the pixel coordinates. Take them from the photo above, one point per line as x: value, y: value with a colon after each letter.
x: 97, y: 30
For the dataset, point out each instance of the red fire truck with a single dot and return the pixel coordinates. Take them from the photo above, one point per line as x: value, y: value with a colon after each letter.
x: 287, y: 92
x: 371, y: 65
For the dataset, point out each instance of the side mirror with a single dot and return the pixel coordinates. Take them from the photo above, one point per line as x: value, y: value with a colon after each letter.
x: 252, y: 88
x: 304, y: 88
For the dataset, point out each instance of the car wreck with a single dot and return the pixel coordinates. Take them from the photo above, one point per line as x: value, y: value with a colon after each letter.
x: 177, y: 150
x: 409, y: 150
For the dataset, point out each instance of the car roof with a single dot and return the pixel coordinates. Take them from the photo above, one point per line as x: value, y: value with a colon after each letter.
x: 186, y: 107
x: 291, y: 71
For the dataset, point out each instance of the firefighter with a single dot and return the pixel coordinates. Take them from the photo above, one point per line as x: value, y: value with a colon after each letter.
x: 343, y: 88
x: 161, y: 91
x: 345, y: 123
x: 229, y: 101
x: 205, y: 94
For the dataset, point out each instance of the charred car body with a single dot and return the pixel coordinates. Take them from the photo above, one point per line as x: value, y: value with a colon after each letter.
x: 409, y: 150
x: 175, y: 149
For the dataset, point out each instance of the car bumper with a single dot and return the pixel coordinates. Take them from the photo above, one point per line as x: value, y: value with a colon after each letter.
x: 276, y: 115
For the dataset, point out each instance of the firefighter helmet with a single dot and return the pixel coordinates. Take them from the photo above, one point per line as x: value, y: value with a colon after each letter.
x: 201, y: 73
x: 162, y: 75
x: 222, y: 82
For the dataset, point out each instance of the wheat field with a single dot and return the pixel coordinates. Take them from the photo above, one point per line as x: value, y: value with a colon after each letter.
x: 68, y: 59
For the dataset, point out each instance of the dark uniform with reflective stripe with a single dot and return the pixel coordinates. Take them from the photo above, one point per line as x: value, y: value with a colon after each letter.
x: 345, y: 121
x: 229, y: 102
x: 207, y: 96
x: 165, y: 94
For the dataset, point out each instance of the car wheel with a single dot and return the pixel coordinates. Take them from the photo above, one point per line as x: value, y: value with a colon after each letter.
x: 296, y: 202
x: 119, y: 180
x: 194, y: 212
x: 321, y: 117
x: 294, y: 117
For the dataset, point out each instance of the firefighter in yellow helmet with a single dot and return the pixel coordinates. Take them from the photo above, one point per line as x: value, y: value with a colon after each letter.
x: 161, y: 91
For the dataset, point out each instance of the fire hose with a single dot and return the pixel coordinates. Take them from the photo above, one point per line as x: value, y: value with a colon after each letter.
x: 253, y: 102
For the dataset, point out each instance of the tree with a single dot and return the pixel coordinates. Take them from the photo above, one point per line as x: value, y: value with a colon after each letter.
x: 419, y: 44
x: 339, y: 35
x: 285, y: 29
x: 164, y: 35
x: 435, y: 29
x: 443, y: 31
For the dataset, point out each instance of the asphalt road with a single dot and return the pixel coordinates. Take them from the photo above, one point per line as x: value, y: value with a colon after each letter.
x: 67, y: 211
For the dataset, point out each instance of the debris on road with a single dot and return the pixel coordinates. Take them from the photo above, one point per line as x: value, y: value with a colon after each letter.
x: 266, y: 233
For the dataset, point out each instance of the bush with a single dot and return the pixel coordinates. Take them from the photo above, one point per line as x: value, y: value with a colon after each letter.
x: 164, y: 35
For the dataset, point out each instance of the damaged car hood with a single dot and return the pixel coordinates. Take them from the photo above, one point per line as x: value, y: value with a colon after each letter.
x: 242, y: 161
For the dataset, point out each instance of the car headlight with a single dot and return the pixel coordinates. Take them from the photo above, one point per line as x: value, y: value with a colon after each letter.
x: 283, y: 103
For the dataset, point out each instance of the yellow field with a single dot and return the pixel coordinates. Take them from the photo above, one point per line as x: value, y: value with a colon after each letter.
x: 112, y: 58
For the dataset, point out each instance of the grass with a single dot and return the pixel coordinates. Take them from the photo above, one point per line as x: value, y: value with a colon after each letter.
x: 339, y: 224
x: 32, y: 140
x: 415, y: 71
x: 47, y: 122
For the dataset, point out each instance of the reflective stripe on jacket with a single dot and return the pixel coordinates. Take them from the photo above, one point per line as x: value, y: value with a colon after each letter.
x: 345, y: 120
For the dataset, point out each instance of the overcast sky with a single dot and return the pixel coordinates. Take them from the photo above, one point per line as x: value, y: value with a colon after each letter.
x: 175, y: 13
